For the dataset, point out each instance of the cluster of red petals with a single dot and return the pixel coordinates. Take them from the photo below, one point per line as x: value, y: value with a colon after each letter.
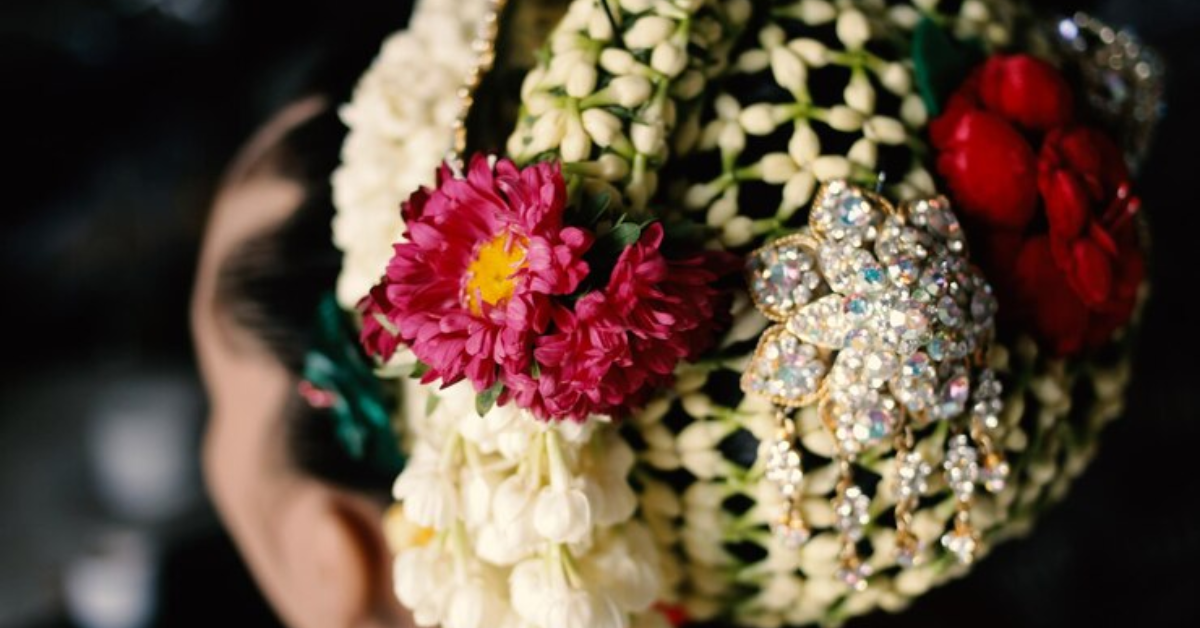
x: 484, y: 287
x: 1051, y: 200
x: 620, y: 343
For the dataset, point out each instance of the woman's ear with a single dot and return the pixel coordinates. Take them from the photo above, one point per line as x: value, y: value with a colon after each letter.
x: 338, y: 568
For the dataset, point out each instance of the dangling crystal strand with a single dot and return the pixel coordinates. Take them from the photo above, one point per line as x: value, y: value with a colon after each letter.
x: 993, y: 475
x: 962, y: 473
x: 986, y: 402
x: 783, y: 469
x: 912, y: 480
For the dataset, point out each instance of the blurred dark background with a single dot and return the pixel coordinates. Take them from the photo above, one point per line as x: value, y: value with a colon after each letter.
x: 121, y: 114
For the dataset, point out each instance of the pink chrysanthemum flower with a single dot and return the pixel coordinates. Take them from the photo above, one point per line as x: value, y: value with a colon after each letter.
x: 617, y: 346
x: 470, y: 287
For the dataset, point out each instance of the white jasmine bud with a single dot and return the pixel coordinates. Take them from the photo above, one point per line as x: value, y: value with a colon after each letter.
x: 548, y: 131
x: 668, y: 59
x: 975, y: 11
x: 843, y: 118
x: 575, y: 144
x: 688, y: 85
x: 896, y: 78
x: 771, y: 36
x: 532, y: 81
x: 904, y: 16
x: 700, y: 195
x: 722, y: 210
x: 732, y: 139
x: 613, y: 167
x: 853, y: 29
x: 811, y: 51
x: 738, y: 232
x: 603, y: 126
x: 617, y: 61
x: 737, y: 11
x: 777, y: 168
x: 788, y: 69
x: 865, y: 153
x: 859, y: 94
x: 885, y: 130
x: 804, y: 146
x: 753, y: 61
x: 630, y: 91
x: 581, y: 82
x: 813, y: 12
x: 913, y: 112
x: 920, y: 179
x: 797, y: 193
x: 728, y: 108
x: 539, y: 103
x: 599, y: 26
x: 830, y: 167
x: 636, y: 6
x: 647, y: 138
x: 758, y: 119
x: 649, y: 31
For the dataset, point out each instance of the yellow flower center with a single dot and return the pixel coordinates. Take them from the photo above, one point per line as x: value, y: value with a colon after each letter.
x: 491, y: 275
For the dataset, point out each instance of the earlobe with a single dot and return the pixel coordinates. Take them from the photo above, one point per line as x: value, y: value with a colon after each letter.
x: 337, y: 562
x: 325, y: 568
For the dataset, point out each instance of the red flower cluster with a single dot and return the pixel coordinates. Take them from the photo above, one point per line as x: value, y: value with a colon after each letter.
x: 1051, y: 199
x: 487, y: 286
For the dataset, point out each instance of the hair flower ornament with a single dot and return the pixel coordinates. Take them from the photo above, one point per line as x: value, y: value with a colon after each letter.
x: 494, y: 284
x: 604, y: 427
x: 881, y: 322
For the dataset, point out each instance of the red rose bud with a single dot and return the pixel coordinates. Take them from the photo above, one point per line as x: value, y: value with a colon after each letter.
x: 988, y: 166
x: 1026, y: 90
x: 1080, y: 172
x: 1059, y: 316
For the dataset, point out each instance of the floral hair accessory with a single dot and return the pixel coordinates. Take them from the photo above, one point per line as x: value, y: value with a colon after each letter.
x: 493, y: 285
x: 856, y: 424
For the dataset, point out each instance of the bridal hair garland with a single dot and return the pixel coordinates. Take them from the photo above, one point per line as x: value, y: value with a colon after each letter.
x: 618, y: 435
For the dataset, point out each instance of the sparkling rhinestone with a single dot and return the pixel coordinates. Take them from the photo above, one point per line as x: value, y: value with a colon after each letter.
x: 866, y: 365
x: 961, y: 467
x: 987, y: 403
x: 901, y: 249
x: 954, y: 395
x: 844, y: 214
x: 784, y: 368
x: 855, y: 574
x: 783, y: 278
x: 949, y: 313
x: 791, y: 530
x: 994, y: 473
x: 853, y: 512
x: 912, y: 476
x: 822, y: 322
x: 935, y: 215
x: 783, y: 463
x: 903, y: 324
x: 862, y: 417
x: 850, y: 269
x: 963, y: 544
x: 983, y: 304
x: 916, y: 385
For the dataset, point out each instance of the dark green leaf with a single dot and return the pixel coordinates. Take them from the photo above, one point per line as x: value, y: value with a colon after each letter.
x: 941, y: 63
x: 486, y: 399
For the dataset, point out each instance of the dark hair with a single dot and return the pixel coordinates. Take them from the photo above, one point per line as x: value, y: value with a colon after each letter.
x: 272, y: 285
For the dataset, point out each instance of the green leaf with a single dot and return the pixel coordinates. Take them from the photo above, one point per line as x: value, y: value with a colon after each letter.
x: 596, y: 206
x: 419, y: 369
x: 486, y: 399
x: 941, y: 63
x: 625, y: 234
